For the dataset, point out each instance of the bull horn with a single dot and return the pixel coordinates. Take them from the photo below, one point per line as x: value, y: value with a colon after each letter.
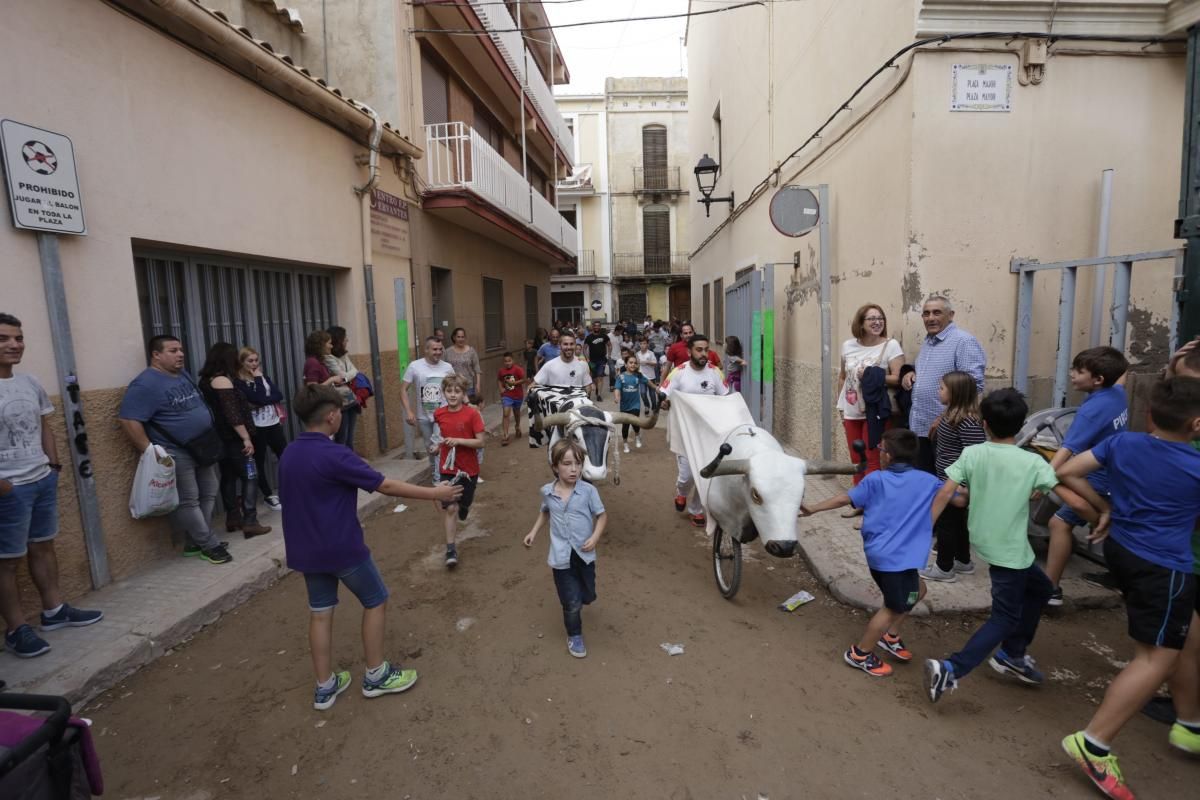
x: 650, y: 423
x: 816, y: 467
x: 730, y: 466
x: 540, y: 423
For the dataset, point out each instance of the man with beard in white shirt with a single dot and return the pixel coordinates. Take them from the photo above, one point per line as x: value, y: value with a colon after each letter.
x: 695, y: 376
x: 566, y: 370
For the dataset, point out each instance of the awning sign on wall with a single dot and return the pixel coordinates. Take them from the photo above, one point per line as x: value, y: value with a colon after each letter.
x: 43, y: 187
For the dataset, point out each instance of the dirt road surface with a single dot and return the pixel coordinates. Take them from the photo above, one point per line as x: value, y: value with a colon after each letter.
x: 760, y: 704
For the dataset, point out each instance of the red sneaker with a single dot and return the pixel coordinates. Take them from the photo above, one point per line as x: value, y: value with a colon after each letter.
x: 868, y: 663
x: 698, y: 520
x: 680, y: 502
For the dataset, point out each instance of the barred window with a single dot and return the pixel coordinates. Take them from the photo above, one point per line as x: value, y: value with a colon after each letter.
x: 493, y: 313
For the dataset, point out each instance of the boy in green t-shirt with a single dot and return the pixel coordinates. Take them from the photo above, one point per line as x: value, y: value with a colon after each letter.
x: 1000, y: 478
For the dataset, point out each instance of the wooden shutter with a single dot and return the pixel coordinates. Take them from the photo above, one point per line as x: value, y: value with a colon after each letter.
x: 656, y: 239
x: 435, y: 92
x: 654, y: 157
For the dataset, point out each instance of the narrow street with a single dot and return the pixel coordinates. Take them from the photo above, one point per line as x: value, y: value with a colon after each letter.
x: 759, y: 704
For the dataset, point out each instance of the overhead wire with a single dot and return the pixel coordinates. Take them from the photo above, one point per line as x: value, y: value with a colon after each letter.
x: 524, y: 29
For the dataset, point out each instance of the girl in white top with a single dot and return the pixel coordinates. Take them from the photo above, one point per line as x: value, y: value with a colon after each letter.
x: 870, y: 347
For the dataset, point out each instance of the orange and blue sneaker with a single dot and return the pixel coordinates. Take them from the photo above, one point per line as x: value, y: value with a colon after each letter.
x: 867, y: 662
x: 895, y: 646
x: 698, y: 520
x: 1102, y: 770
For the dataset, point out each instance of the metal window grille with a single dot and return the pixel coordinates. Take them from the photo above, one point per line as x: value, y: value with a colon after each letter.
x: 206, y: 299
x: 632, y: 304
x: 531, y: 311
x: 435, y: 92
x: 493, y: 313
x: 705, y: 308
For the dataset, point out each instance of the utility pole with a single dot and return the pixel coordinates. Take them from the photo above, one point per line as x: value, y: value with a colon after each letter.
x: 1187, y: 226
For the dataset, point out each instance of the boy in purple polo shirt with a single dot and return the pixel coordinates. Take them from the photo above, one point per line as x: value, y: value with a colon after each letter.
x: 318, y: 484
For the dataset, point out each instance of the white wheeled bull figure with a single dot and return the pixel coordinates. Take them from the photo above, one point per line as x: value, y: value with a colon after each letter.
x: 750, y: 487
x: 569, y: 412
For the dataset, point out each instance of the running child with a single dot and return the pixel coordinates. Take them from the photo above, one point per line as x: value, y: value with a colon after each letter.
x: 734, y: 362
x: 318, y: 485
x: 647, y: 361
x: 1146, y: 525
x: 1185, y: 683
x: 1001, y: 477
x: 1105, y: 411
x: 461, y: 428
x: 627, y: 393
x: 957, y: 428
x: 511, y: 380
x: 897, y: 530
x: 577, y: 519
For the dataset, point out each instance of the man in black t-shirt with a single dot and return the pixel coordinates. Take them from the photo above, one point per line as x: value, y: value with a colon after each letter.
x: 598, y: 346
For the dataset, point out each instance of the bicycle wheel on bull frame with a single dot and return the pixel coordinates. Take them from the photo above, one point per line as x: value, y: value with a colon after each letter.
x: 727, y: 563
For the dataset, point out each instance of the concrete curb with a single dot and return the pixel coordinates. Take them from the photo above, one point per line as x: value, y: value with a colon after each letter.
x: 156, y: 610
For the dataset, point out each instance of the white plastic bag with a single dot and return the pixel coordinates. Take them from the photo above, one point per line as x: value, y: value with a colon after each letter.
x: 154, y: 492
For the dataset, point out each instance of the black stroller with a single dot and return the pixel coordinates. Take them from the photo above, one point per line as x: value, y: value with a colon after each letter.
x: 43, y: 757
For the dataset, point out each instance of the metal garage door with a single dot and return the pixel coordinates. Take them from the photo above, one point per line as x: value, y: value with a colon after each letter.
x: 207, y: 299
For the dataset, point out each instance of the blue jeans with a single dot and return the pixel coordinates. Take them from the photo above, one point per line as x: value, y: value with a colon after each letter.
x: 1018, y: 598
x: 29, y: 513
x: 576, y: 587
x: 345, y: 433
x: 363, y: 580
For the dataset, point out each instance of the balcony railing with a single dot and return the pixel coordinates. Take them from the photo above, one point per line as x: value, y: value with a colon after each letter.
x: 659, y: 180
x: 649, y: 265
x: 585, y: 267
x: 457, y: 157
x: 495, y: 18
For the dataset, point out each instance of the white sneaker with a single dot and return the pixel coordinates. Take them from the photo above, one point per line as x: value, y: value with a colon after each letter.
x: 626, y: 446
x: 932, y: 573
x: 478, y: 481
x: 637, y: 440
x: 273, y: 503
x: 964, y: 569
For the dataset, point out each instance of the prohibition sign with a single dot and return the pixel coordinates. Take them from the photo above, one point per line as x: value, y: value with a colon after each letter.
x: 39, y: 158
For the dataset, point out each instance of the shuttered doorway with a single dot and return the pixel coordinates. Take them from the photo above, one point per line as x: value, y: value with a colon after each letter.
x: 654, y: 157
x: 656, y: 239
x: 202, y: 300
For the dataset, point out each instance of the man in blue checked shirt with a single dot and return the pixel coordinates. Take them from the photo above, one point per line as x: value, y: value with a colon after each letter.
x: 946, y: 348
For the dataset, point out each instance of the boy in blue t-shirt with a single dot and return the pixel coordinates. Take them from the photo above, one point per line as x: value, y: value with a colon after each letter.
x: 627, y: 392
x: 897, y: 532
x: 319, y: 481
x: 1104, y: 411
x: 1146, y: 527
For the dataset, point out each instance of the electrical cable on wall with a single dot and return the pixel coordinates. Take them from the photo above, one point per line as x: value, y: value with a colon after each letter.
x: 773, y: 176
x: 524, y: 29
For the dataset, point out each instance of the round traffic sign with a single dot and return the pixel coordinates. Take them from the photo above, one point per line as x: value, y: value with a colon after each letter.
x: 597, y: 305
x: 794, y: 211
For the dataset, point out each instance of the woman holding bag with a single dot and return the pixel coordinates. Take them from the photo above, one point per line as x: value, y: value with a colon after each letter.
x: 870, y: 347
x: 264, y: 398
x: 338, y: 362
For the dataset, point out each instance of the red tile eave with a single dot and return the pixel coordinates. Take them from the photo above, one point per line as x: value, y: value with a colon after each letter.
x: 453, y: 199
x: 474, y: 23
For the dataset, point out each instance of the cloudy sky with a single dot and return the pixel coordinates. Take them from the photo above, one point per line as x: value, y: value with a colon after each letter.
x: 622, y: 49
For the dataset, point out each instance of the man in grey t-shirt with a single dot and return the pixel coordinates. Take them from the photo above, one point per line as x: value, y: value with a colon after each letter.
x: 426, y: 374
x: 29, y: 468
x: 164, y: 406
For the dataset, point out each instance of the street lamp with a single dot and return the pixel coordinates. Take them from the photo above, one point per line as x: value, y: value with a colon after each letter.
x: 706, y: 179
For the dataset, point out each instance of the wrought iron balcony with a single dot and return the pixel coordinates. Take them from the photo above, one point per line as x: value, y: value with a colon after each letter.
x: 656, y: 180
x: 650, y: 265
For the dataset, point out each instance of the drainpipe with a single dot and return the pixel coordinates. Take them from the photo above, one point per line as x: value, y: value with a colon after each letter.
x: 364, y: 195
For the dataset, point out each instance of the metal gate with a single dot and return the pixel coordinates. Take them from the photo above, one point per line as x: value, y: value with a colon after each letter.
x: 750, y: 316
x: 207, y: 299
x: 631, y: 305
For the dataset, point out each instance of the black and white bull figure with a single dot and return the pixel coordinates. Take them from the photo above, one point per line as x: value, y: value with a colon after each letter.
x: 569, y: 412
x: 754, y: 492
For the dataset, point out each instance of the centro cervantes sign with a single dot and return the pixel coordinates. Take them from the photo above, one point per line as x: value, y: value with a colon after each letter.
x: 43, y: 186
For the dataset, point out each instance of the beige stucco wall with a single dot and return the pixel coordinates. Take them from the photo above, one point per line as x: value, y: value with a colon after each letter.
x: 220, y: 167
x: 924, y: 200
